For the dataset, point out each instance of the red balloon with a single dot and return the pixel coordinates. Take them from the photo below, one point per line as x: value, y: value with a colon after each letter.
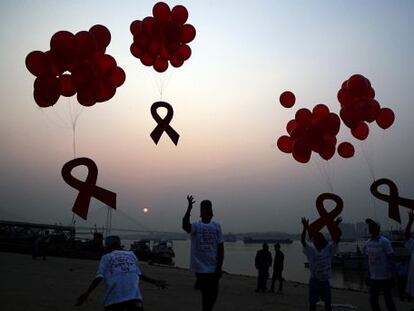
x: 176, y: 62
x: 184, y: 52
x: 135, y: 27
x: 292, y: 125
x: 161, y: 12
x: 351, y: 115
x: 346, y: 150
x: 46, y: 91
x: 102, y: 36
x: 371, y: 110
x: 85, y: 45
x: 358, y: 85
x: 84, y: 100
x: 160, y: 65
x: 284, y: 143
x: 154, y: 48
x: 287, y: 99
x: 142, y: 41
x: 361, y: 131
x: 66, y: 85
x: 147, y: 60
x: 38, y: 63
x: 136, y: 51
x: 188, y: 33
x: 343, y: 96
x: 320, y: 112
x: 118, y: 77
x: 301, y: 151
x: 332, y: 123
x: 62, y: 47
x: 106, y: 65
x: 179, y: 14
x: 106, y: 91
x: 326, y: 150
x: 304, y: 117
x: 147, y: 25
x: 385, y: 118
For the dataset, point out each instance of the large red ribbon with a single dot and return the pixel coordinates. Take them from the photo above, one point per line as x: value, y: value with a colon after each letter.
x: 163, y: 124
x: 327, y: 219
x: 88, y: 188
x: 393, y: 198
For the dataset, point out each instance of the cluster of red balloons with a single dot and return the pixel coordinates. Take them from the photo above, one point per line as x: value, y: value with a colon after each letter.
x: 163, y: 37
x: 75, y: 63
x: 315, y: 131
x: 359, y: 107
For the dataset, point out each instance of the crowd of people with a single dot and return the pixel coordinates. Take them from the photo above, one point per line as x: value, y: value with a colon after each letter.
x: 121, y: 273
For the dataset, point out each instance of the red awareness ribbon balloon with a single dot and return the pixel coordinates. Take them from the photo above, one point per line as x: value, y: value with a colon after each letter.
x: 393, y: 198
x: 163, y: 124
x: 88, y: 188
x: 327, y: 219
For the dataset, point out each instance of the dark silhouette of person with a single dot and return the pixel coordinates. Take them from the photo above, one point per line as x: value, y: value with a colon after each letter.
x: 207, y: 251
x: 381, y: 264
x: 40, y: 245
x: 277, y: 268
x: 320, y: 265
x: 121, y: 273
x: 262, y: 262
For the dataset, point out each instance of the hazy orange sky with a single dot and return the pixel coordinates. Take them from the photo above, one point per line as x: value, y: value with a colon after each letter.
x: 226, y: 109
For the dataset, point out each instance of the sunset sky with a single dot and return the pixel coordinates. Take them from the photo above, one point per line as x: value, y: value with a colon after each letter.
x: 226, y: 109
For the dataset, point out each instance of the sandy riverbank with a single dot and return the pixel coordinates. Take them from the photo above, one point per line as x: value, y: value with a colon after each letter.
x: 54, y: 284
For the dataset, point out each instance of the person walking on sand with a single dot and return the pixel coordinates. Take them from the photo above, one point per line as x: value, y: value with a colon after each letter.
x: 277, y: 268
x: 207, y: 251
x: 381, y: 264
x: 121, y: 273
x: 320, y: 265
x: 410, y: 246
x: 262, y: 262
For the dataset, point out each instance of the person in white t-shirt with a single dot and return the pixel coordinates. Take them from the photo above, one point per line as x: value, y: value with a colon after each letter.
x: 410, y: 246
x: 381, y: 264
x: 121, y: 273
x: 207, y: 251
x: 320, y: 262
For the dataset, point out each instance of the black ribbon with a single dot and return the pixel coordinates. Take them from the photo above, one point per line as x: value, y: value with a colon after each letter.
x: 393, y: 198
x: 87, y: 189
x: 163, y: 124
x: 327, y: 219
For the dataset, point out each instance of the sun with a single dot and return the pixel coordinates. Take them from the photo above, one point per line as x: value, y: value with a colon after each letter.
x: 145, y: 210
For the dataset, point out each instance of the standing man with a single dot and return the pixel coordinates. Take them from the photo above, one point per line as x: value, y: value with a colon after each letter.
x: 262, y: 262
x: 120, y: 270
x: 277, y: 268
x: 320, y: 265
x: 381, y: 264
x: 207, y: 251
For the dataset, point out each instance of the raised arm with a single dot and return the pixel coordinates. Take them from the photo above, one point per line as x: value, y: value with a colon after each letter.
x: 409, y: 224
x: 186, y: 219
x: 305, y: 223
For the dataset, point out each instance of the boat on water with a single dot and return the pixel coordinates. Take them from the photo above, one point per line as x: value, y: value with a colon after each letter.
x: 154, y: 251
x: 249, y: 240
x: 57, y: 240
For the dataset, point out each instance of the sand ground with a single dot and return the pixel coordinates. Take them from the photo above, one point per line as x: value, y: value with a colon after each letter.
x: 54, y: 284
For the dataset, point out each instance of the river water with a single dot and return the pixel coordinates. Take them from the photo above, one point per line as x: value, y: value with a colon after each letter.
x: 239, y: 259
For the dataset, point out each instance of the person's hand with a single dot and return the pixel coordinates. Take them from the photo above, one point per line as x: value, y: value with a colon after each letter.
x: 410, y: 216
x: 161, y: 284
x: 190, y: 200
x: 338, y: 220
x: 81, y: 299
x: 305, y: 222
